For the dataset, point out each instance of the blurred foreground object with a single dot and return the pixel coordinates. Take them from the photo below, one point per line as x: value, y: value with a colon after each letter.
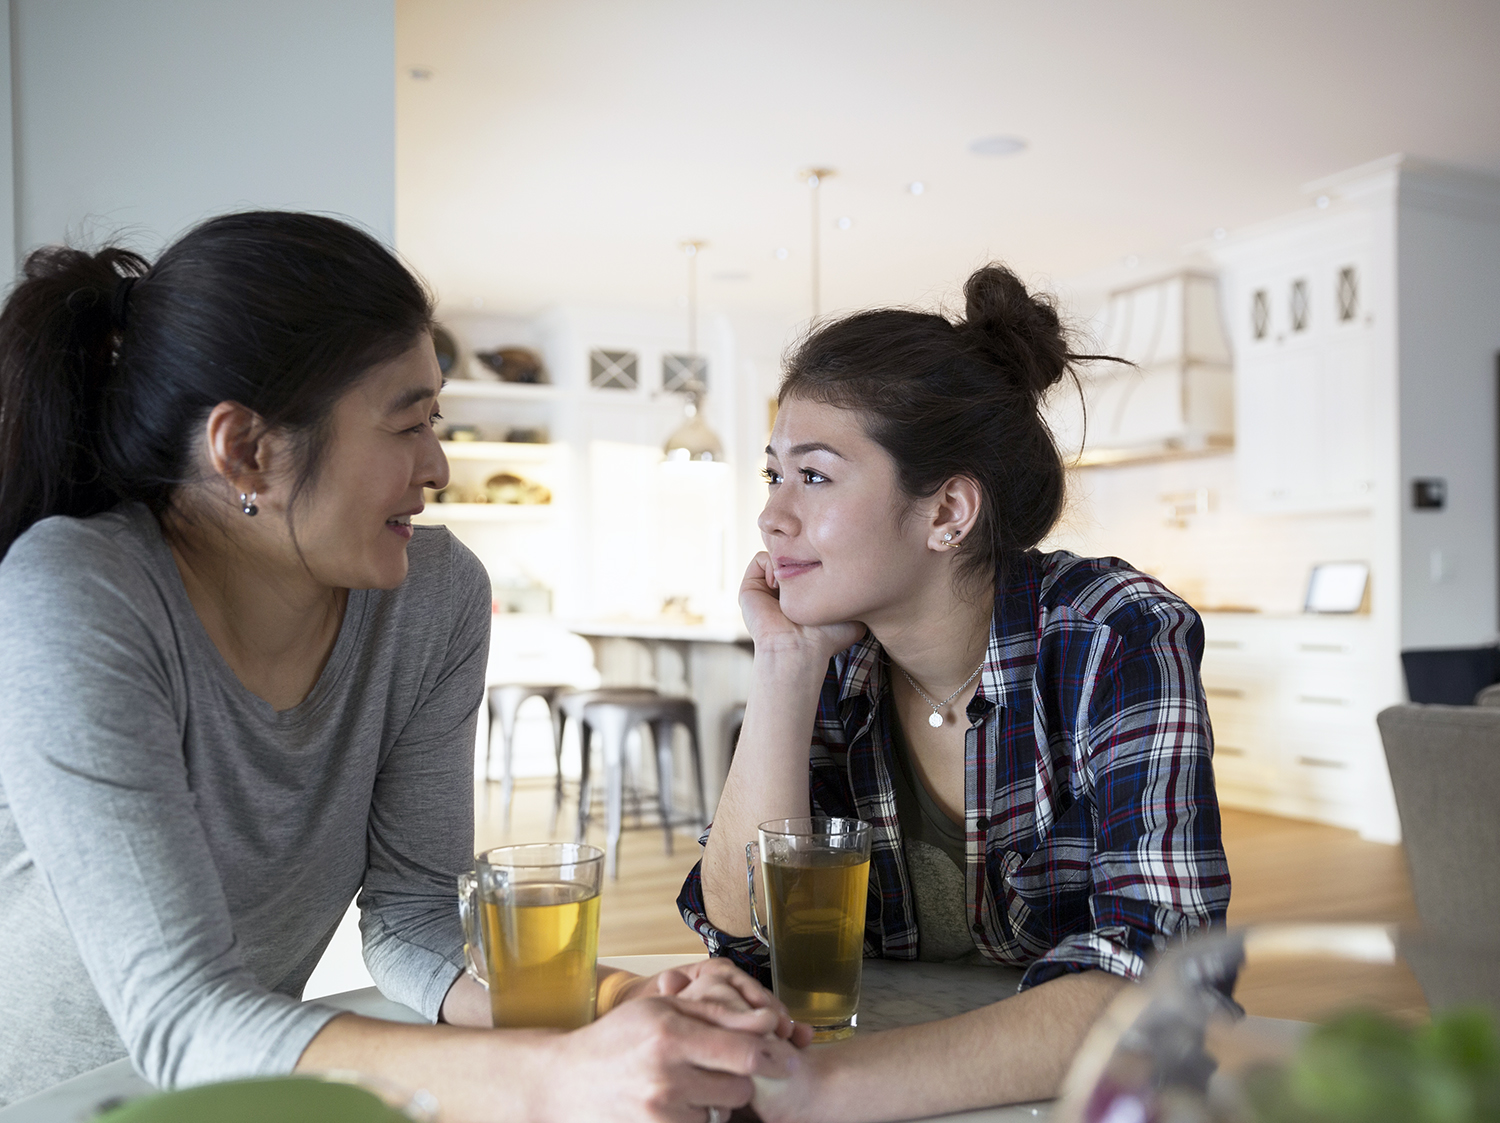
x: 339, y: 1098
x: 1178, y: 1048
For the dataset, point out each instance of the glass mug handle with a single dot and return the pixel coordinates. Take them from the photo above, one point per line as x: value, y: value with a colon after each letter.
x: 752, y: 852
x: 468, y: 914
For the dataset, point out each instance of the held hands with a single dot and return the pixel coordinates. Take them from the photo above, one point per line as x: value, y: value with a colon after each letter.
x: 664, y: 1056
x: 719, y: 993
x: 760, y: 603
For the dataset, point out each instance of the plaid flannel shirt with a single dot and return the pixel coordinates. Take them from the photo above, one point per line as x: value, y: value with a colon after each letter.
x: 1089, y: 807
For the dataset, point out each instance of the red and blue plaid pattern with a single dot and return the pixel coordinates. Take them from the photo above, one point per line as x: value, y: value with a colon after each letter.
x: 1093, y: 827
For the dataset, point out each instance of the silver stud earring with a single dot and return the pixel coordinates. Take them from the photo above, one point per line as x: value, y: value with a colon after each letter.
x: 247, y: 503
x: 948, y: 536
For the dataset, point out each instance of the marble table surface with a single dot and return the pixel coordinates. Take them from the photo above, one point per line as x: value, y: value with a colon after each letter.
x: 892, y: 994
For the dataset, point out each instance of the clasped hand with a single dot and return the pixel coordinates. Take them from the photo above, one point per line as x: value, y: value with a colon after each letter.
x: 675, y: 1044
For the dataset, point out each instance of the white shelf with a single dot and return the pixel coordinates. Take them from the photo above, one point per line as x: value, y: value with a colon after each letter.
x: 440, y: 513
x: 512, y: 451
x: 473, y: 388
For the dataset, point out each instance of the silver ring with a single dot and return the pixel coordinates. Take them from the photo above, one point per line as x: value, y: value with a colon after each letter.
x: 714, y: 1116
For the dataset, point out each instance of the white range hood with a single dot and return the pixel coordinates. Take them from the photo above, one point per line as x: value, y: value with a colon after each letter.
x: 1178, y: 398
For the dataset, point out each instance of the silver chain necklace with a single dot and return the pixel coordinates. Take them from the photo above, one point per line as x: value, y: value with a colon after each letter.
x: 936, y: 720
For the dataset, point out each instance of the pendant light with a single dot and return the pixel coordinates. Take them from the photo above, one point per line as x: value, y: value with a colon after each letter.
x: 814, y: 178
x: 693, y: 439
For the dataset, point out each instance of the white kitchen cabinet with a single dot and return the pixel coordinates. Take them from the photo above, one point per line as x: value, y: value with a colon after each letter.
x: 1293, y: 712
x: 1300, y: 308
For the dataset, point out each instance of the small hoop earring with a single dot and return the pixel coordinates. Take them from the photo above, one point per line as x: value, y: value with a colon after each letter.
x: 247, y: 503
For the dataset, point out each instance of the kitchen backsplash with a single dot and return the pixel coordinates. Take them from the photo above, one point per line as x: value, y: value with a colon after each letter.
x: 1180, y: 520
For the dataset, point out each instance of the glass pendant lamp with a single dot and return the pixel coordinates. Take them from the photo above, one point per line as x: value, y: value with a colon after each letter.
x: 693, y: 439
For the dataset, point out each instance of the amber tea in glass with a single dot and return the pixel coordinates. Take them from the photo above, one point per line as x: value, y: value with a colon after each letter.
x: 816, y: 875
x: 531, y: 926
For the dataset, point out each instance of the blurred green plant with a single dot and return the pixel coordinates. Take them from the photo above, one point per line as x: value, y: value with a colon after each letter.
x: 1364, y: 1068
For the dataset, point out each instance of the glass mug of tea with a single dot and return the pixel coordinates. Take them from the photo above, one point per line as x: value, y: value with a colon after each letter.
x: 815, y: 876
x: 531, y: 931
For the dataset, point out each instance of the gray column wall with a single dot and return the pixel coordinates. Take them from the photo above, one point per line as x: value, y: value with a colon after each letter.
x: 134, y: 119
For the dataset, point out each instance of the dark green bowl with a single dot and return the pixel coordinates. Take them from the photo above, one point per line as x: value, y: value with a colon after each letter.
x: 286, y: 1099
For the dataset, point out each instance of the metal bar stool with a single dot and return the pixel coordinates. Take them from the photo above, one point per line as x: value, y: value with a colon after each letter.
x: 505, y: 703
x: 613, y: 714
x: 570, y: 707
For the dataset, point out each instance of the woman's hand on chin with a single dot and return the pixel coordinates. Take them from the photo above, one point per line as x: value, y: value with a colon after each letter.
x: 760, y: 602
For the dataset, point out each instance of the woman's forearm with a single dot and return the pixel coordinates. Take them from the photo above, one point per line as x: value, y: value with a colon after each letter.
x: 767, y: 780
x: 472, y: 1079
x: 1010, y: 1052
x: 659, y: 1056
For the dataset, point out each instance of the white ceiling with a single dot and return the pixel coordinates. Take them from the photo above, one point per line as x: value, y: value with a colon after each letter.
x: 561, y: 149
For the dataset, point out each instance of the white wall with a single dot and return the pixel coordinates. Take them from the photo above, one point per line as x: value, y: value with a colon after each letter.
x: 1448, y: 251
x: 143, y: 118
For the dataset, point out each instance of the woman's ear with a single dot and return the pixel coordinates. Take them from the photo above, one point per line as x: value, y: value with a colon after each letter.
x: 240, y: 446
x: 955, y: 511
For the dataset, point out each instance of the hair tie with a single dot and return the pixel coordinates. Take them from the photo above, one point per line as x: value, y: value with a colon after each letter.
x: 117, y: 307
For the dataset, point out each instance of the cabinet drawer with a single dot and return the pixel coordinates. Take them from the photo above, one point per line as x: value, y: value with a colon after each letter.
x: 1334, y: 766
x: 1321, y: 638
x: 1324, y: 777
x: 1236, y: 764
x: 1236, y: 640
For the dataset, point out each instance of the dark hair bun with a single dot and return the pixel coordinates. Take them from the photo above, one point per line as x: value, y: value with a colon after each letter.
x: 1020, y: 331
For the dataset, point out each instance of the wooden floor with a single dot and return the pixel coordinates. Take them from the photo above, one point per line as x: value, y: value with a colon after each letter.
x: 1283, y: 870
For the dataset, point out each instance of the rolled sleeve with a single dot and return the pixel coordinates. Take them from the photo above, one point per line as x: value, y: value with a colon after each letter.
x: 745, y: 952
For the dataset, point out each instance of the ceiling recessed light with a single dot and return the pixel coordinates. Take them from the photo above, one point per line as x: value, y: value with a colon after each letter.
x: 781, y: 253
x: 916, y: 187
x: 845, y: 222
x: 1132, y: 261
x: 1220, y: 233
x: 420, y: 73
x: 1322, y: 202
x: 997, y: 146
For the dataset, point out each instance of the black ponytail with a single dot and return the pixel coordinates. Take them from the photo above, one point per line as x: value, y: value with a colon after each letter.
x: 109, y: 366
x: 58, y: 342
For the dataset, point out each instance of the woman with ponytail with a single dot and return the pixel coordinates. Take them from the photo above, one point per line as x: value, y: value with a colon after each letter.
x: 240, y: 687
x: 1024, y: 731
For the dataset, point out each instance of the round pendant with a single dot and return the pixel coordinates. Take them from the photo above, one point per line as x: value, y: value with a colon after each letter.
x: 935, y: 720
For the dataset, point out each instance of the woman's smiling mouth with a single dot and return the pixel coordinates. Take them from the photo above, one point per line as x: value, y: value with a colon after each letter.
x: 401, y: 524
x: 792, y: 567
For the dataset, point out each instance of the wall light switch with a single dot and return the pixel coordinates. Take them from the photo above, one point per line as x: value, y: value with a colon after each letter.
x: 1429, y: 494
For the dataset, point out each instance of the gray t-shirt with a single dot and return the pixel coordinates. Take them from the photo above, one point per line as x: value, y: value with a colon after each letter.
x: 174, y: 853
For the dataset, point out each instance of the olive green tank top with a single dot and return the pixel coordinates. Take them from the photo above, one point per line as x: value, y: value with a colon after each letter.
x: 936, y: 859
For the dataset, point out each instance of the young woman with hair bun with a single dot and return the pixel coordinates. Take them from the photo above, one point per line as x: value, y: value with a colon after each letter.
x: 240, y: 687
x: 1024, y: 731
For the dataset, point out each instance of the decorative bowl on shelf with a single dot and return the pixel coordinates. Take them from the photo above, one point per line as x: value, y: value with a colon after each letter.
x: 1315, y: 1023
x: 514, y: 364
x: 507, y: 487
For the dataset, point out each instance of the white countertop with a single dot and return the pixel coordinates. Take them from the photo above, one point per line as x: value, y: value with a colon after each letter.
x: 710, y: 631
